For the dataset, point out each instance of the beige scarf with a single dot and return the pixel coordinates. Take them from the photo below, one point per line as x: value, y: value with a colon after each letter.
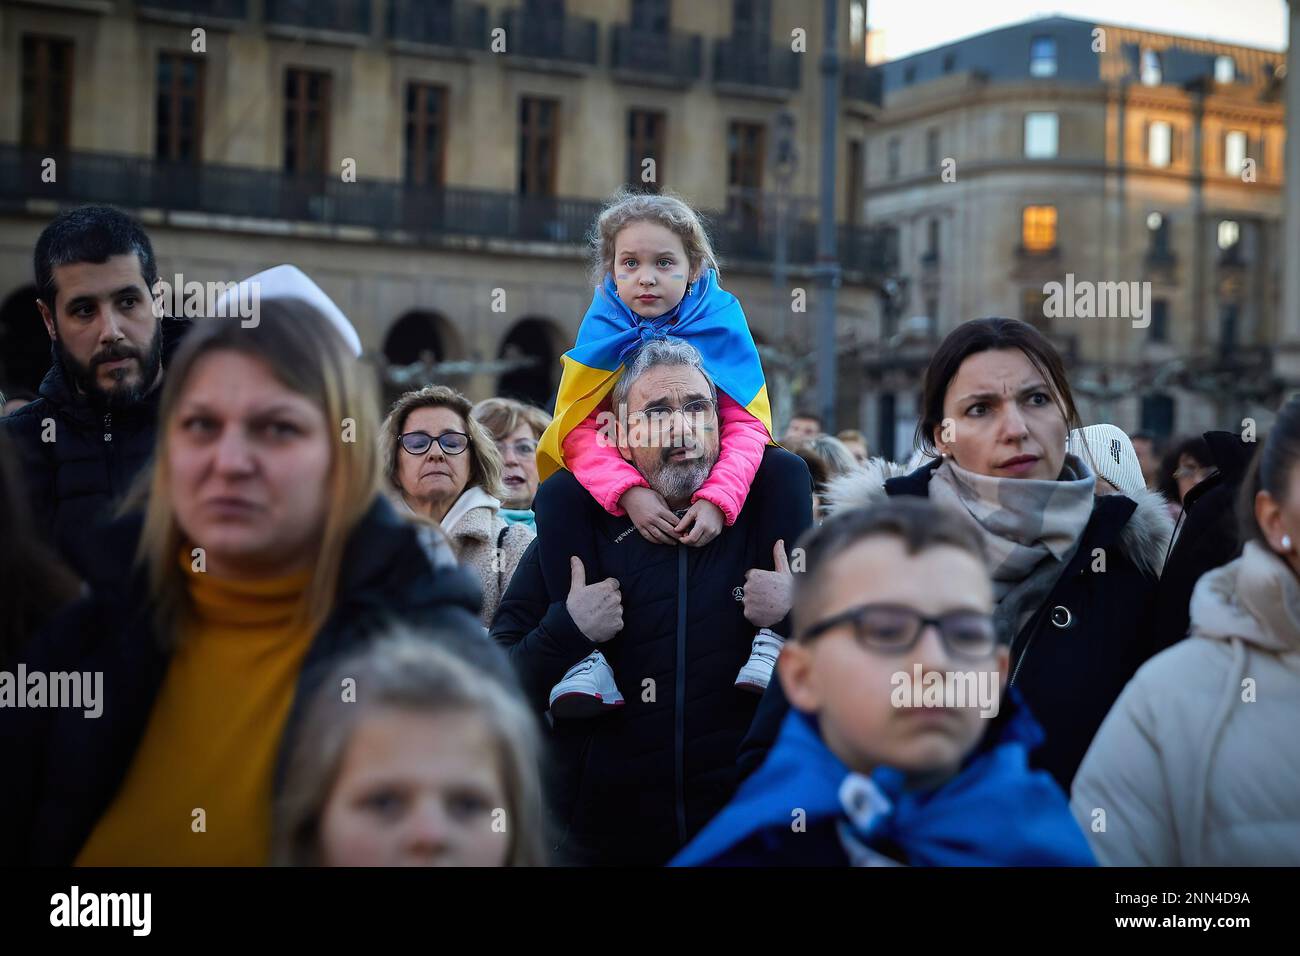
x: 1030, y: 528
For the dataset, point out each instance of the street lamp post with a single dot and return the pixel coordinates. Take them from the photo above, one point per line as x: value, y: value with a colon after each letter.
x: 828, y: 267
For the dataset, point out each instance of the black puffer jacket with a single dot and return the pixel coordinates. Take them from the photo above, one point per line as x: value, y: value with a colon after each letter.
x: 62, y: 771
x: 631, y: 787
x: 1208, y: 536
x: 1074, y: 656
x: 75, y: 480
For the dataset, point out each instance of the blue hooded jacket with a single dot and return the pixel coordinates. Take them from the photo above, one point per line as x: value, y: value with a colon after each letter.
x: 995, y: 811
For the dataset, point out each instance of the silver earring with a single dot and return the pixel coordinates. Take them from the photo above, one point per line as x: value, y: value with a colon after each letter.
x: 690, y: 289
x: 1286, y: 543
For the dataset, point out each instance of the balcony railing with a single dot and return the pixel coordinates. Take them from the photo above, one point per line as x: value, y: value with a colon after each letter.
x: 459, y: 25
x: 863, y: 83
x: 421, y: 214
x: 565, y: 39
x: 741, y: 62
x: 337, y: 16
x: 674, y: 56
x: 217, y: 9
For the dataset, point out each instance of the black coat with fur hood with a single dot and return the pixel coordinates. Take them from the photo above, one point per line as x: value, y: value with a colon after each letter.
x: 1074, y: 656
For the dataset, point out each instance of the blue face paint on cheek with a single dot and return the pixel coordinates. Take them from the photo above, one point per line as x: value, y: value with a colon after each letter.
x: 679, y: 277
x: 623, y: 278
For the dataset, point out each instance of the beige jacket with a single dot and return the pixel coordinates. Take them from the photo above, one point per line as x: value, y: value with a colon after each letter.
x: 1198, y: 762
x: 476, y: 528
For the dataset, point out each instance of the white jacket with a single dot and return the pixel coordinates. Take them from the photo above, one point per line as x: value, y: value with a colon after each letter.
x: 1198, y: 762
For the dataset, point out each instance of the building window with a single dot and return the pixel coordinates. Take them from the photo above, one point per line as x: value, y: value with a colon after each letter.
x: 857, y: 23
x: 1041, y: 135
x: 856, y: 177
x: 932, y: 241
x: 909, y: 76
x: 745, y: 150
x: 1032, y: 311
x: 179, y: 114
x: 1158, y: 415
x: 932, y: 149
x: 306, y: 121
x: 1038, y: 228
x: 1225, y: 69
x: 1228, y: 326
x: 931, y: 316
x: 949, y: 63
x: 894, y: 149
x: 649, y: 17
x: 426, y: 133
x: 1152, y: 71
x: 1159, y: 320
x: 645, y: 140
x: 537, y: 146
x: 1234, y: 152
x: 1229, y: 234
x: 1160, y: 144
x: 1158, y: 232
x: 1042, y: 56
x: 46, y: 92
x: 752, y: 19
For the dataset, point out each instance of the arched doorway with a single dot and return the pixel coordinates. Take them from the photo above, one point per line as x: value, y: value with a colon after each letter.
x: 418, y: 336
x: 537, y: 340
x: 24, y: 343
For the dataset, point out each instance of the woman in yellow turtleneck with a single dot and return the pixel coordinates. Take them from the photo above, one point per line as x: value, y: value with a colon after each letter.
x: 254, y: 495
x: 199, y: 788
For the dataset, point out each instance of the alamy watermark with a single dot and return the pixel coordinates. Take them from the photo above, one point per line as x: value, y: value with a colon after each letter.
x: 947, y: 689
x: 1098, y: 300
x: 209, y: 300
x: 77, y: 690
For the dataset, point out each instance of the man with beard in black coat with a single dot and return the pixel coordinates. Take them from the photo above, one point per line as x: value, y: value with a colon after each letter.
x: 675, y: 622
x: 82, y: 442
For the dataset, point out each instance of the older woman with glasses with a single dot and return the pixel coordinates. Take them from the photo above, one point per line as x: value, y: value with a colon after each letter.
x: 444, y: 466
x: 516, y: 428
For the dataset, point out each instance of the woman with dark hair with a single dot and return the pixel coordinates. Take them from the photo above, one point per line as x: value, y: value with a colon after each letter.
x: 1187, y: 463
x: 1196, y: 764
x: 1074, y: 573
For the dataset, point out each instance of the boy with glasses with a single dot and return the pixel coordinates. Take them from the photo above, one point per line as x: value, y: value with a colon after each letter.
x: 884, y: 757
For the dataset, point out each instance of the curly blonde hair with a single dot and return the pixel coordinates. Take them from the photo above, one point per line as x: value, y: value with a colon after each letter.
x: 665, y: 209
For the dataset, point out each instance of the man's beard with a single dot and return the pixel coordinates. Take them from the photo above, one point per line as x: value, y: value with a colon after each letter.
x: 121, y: 394
x: 678, y: 480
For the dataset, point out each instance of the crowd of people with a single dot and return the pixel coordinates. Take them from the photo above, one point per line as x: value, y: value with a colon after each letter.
x: 643, y: 628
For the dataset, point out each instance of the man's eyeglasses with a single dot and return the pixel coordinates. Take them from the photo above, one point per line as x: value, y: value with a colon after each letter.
x: 895, y: 629
x: 522, y: 448
x: 702, y: 411
x: 417, y: 443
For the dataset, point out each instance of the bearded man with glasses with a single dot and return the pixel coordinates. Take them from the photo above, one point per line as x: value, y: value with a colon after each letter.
x: 675, y: 627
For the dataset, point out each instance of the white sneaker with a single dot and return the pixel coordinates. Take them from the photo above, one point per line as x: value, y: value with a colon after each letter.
x: 586, y: 690
x: 757, y: 672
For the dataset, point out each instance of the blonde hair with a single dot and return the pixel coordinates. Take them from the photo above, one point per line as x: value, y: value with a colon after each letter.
x: 413, y: 672
x: 307, y: 355
x: 503, y: 416
x: 665, y: 209
x: 485, y: 460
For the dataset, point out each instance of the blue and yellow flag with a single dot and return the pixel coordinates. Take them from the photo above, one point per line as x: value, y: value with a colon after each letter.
x: 710, y: 319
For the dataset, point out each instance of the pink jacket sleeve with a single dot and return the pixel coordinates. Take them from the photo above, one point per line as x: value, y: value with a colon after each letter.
x: 742, y: 438
x: 598, y: 466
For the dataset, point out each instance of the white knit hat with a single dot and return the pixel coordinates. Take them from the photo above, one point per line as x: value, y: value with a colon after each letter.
x: 289, y: 288
x: 1108, y: 450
